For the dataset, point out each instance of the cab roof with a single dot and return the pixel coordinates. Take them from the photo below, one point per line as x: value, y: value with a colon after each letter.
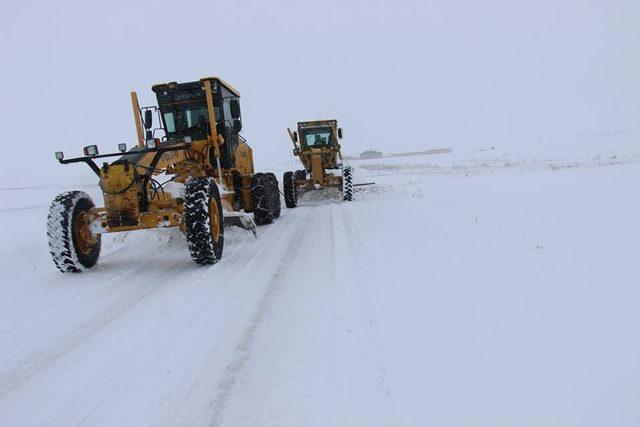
x: 317, y: 123
x: 171, y: 85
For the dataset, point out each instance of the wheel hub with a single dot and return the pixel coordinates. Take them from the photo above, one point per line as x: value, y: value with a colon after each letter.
x: 216, y: 221
x: 85, y: 239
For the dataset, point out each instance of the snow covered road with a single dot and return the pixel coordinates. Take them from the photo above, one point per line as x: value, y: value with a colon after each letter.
x: 147, y: 337
x: 464, y: 293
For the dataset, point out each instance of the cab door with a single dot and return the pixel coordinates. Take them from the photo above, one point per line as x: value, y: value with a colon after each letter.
x: 231, y: 133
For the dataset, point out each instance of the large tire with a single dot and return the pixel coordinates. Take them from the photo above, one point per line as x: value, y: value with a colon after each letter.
x: 347, y: 184
x: 262, y: 199
x: 72, y: 246
x: 290, y: 190
x: 277, y: 204
x: 203, y: 220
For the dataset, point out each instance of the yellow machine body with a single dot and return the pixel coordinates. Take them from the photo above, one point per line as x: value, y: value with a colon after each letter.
x: 192, y: 170
x: 316, y: 144
x: 132, y: 202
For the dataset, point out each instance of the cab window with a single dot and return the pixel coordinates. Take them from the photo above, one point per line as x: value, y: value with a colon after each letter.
x: 188, y: 120
x: 318, y: 138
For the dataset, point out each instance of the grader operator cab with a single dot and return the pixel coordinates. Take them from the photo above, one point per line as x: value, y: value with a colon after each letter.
x: 316, y: 144
x: 196, y: 143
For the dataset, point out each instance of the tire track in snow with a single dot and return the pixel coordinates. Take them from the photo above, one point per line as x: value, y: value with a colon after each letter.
x: 237, y: 264
x: 326, y: 307
x: 23, y: 208
x: 242, y: 352
x: 31, y: 367
x: 160, y: 281
x: 361, y: 319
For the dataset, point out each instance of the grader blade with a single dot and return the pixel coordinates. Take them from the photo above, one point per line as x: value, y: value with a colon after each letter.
x: 238, y: 219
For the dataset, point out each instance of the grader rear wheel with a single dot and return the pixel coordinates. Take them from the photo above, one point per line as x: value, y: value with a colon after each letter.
x: 262, y: 199
x: 290, y: 190
x: 275, y: 190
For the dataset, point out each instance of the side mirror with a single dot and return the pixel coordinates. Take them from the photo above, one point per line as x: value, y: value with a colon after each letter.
x: 237, y: 125
x: 339, y: 133
x: 295, y: 136
x: 148, y: 119
x: 235, y: 108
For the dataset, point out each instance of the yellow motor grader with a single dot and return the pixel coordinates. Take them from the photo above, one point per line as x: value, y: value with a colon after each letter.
x: 316, y: 144
x: 198, y: 151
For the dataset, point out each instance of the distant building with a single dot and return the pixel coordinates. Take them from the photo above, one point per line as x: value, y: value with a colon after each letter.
x: 371, y: 154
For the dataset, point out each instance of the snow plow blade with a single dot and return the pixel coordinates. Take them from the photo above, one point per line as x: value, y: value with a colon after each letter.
x: 238, y: 219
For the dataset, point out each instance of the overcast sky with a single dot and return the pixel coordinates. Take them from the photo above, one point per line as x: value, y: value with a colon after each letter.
x: 398, y: 75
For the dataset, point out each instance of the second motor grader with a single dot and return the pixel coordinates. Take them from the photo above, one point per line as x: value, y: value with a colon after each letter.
x: 316, y: 144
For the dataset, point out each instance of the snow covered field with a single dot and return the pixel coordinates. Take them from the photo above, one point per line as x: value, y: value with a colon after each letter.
x: 472, y: 288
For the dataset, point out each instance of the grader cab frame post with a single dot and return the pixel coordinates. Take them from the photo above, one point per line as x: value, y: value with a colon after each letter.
x: 137, y: 119
x: 212, y: 126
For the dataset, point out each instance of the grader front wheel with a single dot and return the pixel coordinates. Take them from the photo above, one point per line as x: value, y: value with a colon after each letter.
x: 72, y: 246
x: 203, y: 220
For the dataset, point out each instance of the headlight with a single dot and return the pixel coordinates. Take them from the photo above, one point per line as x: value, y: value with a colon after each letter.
x: 91, y: 150
x: 122, y: 147
x: 59, y: 155
x: 187, y: 140
x: 151, y: 143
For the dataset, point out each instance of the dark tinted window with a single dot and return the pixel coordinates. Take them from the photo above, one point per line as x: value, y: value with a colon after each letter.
x: 317, y: 137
